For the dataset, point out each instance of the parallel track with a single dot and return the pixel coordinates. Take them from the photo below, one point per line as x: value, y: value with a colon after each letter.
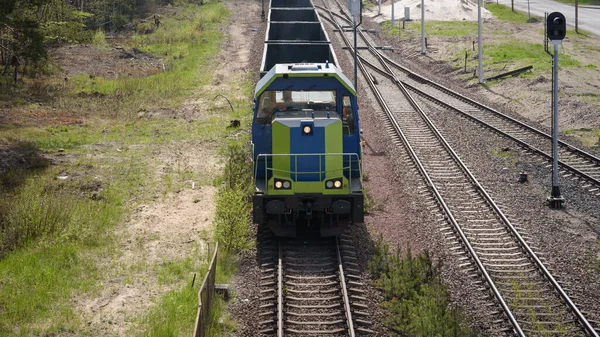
x: 529, y: 295
x: 575, y: 160
x: 307, y: 290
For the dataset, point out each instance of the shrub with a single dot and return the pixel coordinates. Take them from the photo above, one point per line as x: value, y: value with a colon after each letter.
x: 32, y: 214
x: 416, y: 296
x: 232, y: 220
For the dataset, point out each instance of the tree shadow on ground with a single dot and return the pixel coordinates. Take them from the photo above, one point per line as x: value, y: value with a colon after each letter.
x: 18, y: 161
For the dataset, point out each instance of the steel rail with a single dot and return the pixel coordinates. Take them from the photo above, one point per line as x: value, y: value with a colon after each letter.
x: 435, y: 191
x: 280, y: 292
x: 582, y: 320
x: 577, y: 313
x: 485, y: 107
x: 503, y: 133
x: 344, y: 291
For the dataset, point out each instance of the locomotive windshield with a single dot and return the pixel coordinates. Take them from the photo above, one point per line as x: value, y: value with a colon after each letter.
x: 296, y: 104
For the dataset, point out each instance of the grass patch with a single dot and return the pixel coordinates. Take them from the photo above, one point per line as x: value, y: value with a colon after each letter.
x: 175, y: 312
x: 416, y: 297
x: 594, y: 257
x: 520, y: 54
x: 582, y: 2
x: 504, y: 13
x: 35, y: 285
x: 55, y: 220
x: 507, y: 155
x: 588, y: 137
x: 186, y: 41
x: 366, y: 3
x: 432, y: 28
x: 49, y: 230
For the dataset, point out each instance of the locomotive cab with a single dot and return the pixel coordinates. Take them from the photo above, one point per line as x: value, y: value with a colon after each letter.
x: 306, y: 150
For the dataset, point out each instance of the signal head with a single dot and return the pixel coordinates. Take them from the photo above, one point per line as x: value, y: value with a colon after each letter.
x: 556, y: 26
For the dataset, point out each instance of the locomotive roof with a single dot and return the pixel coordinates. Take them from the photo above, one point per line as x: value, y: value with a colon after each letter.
x: 303, y: 70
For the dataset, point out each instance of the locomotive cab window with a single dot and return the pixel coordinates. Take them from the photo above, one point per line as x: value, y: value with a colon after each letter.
x: 347, y: 115
x: 296, y: 104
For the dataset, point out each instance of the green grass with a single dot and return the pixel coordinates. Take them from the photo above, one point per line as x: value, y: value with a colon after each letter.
x: 582, y: 2
x: 432, y: 28
x: 504, y: 13
x: 53, y: 230
x: 186, y: 41
x: 35, y: 285
x: 366, y: 3
x: 588, y: 137
x: 594, y: 256
x: 174, y: 313
x: 518, y: 54
x: 416, y: 298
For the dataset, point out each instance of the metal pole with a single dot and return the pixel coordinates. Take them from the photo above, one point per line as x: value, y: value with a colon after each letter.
x: 576, y: 16
x: 355, y: 56
x: 555, y: 199
x: 479, y: 45
x: 379, y: 13
x: 423, y: 50
x: 262, y: 14
x: 392, y: 13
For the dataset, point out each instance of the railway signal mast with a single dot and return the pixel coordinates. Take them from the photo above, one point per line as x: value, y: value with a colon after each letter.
x: 556, y: 29
x: 355, y: 7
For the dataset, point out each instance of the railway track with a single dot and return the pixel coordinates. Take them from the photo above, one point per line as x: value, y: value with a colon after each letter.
x: 572, y: 159
x: 532, y: 300
x: 311, y: 287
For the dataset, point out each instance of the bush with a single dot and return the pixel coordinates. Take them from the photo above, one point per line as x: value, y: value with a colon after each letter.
x: 232, y: 216
x: 232, y: 220
x: 32, y: 214
x: 416, y: 296
x: 238, y: 167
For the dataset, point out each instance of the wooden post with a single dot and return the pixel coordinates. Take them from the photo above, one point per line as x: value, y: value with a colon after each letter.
x: 15, y: 62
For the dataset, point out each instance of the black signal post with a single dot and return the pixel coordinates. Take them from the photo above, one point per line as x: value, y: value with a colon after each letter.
x: 556, y: 28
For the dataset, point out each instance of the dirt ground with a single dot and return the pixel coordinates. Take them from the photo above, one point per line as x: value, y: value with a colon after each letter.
x: 172, y: 226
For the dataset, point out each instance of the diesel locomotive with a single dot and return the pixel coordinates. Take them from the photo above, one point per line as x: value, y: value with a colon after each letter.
x: 306, y: 145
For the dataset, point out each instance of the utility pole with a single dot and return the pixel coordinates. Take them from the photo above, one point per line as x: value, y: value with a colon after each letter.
x: 355, y: 7
x: 577, y: 16
x: 479, y: 45
x: 423, y: 49
x: 392, y: 13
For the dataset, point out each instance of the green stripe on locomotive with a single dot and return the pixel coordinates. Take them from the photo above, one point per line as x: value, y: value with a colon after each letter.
x: 331, y: 149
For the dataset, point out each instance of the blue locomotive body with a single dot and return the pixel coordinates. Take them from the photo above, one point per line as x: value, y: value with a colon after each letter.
x: 305, y: 130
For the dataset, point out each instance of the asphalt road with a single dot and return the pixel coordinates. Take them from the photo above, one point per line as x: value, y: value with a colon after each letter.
x: 589, y: 16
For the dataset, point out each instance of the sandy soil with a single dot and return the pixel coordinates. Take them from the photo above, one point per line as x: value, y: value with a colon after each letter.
x: 439, y: 10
